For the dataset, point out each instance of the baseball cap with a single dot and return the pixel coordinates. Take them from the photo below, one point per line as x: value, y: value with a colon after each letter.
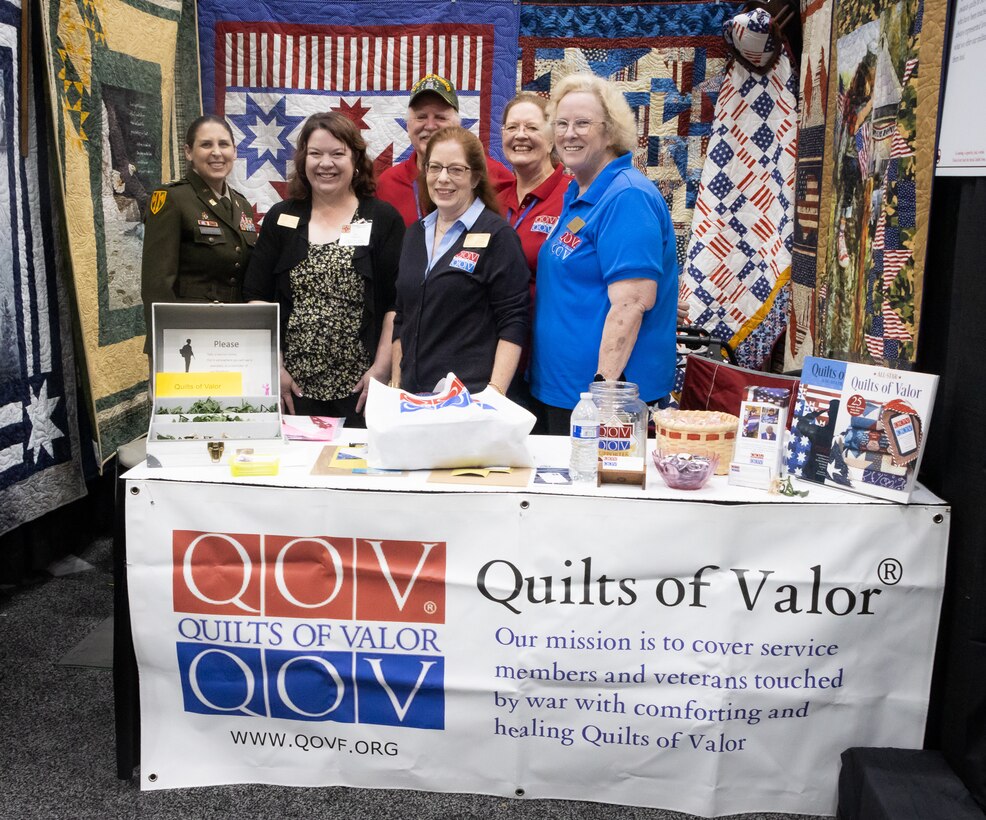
x: 432, y: 83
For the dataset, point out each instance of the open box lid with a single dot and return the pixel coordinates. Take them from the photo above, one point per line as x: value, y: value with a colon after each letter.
x: 215, y: 350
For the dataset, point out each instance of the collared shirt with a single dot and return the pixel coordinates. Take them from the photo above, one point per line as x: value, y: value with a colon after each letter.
x: 619, y: 229
x: 459, y: 227
x: 535, y: 218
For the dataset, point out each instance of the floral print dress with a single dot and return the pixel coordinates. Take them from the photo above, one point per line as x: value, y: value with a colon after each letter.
x: 322, y: 349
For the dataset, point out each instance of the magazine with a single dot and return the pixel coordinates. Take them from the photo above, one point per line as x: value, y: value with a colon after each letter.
x: 860, y: 427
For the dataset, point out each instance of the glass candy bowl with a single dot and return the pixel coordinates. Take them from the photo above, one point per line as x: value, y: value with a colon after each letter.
x: 685, y: 471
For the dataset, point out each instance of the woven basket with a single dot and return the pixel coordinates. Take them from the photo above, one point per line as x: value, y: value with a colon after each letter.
x: 699, y: 432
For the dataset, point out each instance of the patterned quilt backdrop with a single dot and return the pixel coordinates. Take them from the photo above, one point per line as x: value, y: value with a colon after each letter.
x: 269, y: 65
x: 39, y: 441
x: 112, y: 74
x: 667, y: 57
x: 886, y: 78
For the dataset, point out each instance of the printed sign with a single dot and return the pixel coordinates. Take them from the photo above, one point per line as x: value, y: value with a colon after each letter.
x: 457, y: 641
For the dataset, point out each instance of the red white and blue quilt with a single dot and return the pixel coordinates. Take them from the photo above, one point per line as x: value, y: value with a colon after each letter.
x: 267, y: 66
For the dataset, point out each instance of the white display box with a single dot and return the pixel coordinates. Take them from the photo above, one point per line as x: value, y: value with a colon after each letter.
x: 216, y: 384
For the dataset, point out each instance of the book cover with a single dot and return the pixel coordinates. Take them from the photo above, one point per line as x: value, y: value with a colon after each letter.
x: 860, y: 427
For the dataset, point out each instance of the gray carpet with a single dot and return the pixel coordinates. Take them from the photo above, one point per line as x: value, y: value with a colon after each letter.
x: 57, y: 754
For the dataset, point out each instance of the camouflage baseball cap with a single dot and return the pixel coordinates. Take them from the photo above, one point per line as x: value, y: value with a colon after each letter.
x: 433, y: 84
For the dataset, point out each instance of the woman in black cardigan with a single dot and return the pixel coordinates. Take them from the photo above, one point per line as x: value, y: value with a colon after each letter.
x: 329, y: 255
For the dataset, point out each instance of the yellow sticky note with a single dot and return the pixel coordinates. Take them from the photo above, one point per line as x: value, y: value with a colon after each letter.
x: 482, y: 472
x: 199, y: 385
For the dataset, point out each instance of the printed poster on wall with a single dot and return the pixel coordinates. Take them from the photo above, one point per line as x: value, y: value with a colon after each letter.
x: 463, y: 642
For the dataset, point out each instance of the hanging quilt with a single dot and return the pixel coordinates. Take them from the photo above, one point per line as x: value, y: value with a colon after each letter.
x: 810, y: 230
x: 268, y: 65
x: 739, y: 256
x: 39, y: 440
x: 888, y: 63
x: 667, y: 57
x: 111, y: 69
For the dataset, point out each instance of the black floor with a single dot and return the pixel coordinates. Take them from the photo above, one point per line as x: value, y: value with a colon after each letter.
x: 57, y: 756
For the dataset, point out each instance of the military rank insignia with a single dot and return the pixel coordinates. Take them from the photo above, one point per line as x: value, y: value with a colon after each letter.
x: 157, y: 201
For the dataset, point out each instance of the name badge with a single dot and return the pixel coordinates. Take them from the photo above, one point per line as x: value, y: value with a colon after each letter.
x: 576, y: 224
x: 288, y: 221
x: 476, y: 240
x: 206, y: 230
x: 355, y: 234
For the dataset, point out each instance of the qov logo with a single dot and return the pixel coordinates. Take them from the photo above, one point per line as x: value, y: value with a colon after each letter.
x: 343, y: 687
x: 308, y: 577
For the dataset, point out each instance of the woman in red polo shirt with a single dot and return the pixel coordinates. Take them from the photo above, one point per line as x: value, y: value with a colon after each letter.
x: 532, y: 204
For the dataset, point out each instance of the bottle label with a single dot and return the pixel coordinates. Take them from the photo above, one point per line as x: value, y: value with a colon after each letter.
x: 585, y: 431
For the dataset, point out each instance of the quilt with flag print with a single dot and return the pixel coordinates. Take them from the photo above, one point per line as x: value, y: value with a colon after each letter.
x: 39, y: 442
x: 667, y: 57
x: 111, y: 66
x: 887, y: 67
x: 267, y: 66
x: 739, y: 256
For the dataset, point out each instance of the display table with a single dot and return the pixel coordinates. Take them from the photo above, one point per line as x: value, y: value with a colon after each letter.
x: 711, y: 651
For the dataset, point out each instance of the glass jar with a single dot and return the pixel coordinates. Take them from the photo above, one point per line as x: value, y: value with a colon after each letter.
x: 622, y: 419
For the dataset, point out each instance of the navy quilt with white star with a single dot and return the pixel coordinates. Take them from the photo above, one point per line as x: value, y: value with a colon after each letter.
x: 39, y: 447
x: 266, y: 66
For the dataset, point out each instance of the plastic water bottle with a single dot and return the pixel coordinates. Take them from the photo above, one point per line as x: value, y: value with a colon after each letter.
x: 585, y: 437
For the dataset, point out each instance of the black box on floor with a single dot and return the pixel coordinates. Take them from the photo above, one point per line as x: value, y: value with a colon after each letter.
x: 902, y: 784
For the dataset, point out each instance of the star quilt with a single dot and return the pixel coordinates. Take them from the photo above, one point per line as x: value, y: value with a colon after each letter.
x: 267, y: 66
x: 39, y: 443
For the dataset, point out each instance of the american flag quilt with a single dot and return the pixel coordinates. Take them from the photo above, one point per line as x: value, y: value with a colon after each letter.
x: 39, y: 441
x: 668, y: 57
x: 887, y: 61
x: 739, y: 255
x: 267, y: 66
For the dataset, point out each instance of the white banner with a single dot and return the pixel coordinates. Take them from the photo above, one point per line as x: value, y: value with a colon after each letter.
x: 705, y: 658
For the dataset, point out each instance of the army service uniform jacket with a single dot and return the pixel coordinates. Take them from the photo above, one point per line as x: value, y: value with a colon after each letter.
x: 193, y: 252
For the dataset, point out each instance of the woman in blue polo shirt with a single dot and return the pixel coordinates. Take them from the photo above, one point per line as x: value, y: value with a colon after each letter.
x: 462, y: 297
x: 608, y: 275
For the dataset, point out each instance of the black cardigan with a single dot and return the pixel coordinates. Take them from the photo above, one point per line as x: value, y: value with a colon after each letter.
x: 280, y: 248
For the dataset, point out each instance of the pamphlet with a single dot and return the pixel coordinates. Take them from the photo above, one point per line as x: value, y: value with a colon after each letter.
x: 861, y: 427
x: 759, y: 440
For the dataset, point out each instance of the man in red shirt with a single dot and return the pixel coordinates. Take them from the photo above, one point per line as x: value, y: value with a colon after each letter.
x: 433, y: 105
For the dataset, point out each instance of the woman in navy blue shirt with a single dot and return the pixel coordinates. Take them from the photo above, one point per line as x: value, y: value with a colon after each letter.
x: 462, y: 286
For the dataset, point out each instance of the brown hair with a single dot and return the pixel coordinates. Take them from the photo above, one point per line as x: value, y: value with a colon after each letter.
x: 343, y: 129
x: 475, y: 159
x: 197, y: 123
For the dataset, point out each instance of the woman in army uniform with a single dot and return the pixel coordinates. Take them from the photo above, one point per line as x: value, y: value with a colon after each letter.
x: 199, y: 232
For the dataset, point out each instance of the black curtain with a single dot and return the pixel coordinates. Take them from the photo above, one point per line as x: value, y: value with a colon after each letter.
x: 954, y: 467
